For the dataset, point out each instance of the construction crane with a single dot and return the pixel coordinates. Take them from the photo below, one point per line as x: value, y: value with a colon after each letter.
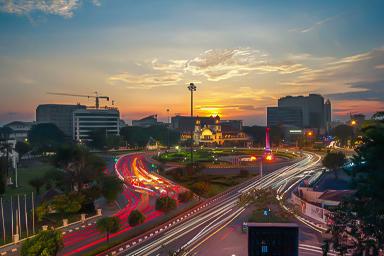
x: 96, y: 97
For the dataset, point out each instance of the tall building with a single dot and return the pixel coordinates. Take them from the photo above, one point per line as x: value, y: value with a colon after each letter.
x: 87, y: 120
x: 288, y: 116
x: 312, y: 107
x: 58, y: 114
x: 146, y: 121
x: 327, y: 114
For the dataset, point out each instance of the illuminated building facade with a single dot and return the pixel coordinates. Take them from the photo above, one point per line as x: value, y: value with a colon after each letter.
x: 210, y: 131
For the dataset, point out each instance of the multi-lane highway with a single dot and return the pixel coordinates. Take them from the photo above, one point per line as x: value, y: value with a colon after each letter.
x: 141, y: 187
x: 186, y: 233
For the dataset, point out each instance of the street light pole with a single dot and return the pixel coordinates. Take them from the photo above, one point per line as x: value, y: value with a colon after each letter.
x: 169, y: 127
x: 192, y: 88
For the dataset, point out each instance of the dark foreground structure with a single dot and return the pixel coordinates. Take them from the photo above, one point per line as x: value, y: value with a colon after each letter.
x: 273, y: 239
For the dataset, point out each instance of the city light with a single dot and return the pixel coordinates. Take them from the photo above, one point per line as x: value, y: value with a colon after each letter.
x: 353, y: 122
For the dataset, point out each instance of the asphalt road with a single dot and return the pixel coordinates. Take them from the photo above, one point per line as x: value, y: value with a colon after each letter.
x: 197, y: 226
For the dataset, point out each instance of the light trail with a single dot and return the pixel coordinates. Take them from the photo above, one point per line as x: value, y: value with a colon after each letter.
x: 220, y: 210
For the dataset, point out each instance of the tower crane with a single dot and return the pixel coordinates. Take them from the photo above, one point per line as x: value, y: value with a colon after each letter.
x: 96, y: 97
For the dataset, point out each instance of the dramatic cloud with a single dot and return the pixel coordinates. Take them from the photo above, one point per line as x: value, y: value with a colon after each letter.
x: 340, y: 76
x: 215, y: 65
x: 370, y: 91
x: 145, y: 81
x: 63, y: 8
x: 221, y: 64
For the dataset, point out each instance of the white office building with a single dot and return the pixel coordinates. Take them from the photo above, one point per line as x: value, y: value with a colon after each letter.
x: 87, y: 120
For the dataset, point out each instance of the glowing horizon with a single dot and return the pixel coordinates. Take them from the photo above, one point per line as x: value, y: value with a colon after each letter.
x: 242, y: 56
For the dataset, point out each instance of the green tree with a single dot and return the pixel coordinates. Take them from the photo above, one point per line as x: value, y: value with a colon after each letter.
x: 45, y: 243
x: 108, y: 225
x: 46, y: 137
x: 80, y: 165
x: 22, y: 148
x: 64, y: 204
x: 135, y: 218
x: 257, y: 133
x: 5, y: 148
x: 201, y: 188
x: 360, y: 218
x: 343, y: 132
x: 42, y: 211
x: 111, y: 187
x: 185, y: 196
x: 3, y: 170
x: 98, y: 138
x: 334, y: 161
x: 37, y: 183
x: 113, y: 141
x: 165, y: 204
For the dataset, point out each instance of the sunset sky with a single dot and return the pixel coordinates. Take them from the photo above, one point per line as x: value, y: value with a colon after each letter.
x: 242, y: 55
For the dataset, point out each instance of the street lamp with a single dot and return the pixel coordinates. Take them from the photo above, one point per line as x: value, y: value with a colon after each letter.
x: 192, y: 88
x: 353, y: 122
x: 169, y: 127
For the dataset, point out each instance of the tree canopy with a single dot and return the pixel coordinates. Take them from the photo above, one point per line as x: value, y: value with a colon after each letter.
x: 46, y: 137
x: 108, y: 225
x: 135, y: 218
x: 343, y: 132
x: 139, y: 136
x: 111, y: 187
x: 359, y: 219
x: 45, y: 243
x: 165, y: 203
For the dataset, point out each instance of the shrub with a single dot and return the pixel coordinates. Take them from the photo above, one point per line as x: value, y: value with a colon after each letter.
x: 44, y: 243
x: 165, y: 204
x: 185, y: 196
x: 135, y: 218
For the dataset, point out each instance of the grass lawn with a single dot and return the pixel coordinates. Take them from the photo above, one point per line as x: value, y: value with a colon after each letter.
x: 207, y: 155
x: 25, y: 174
x: 273, y: 217
x: 216, y: 183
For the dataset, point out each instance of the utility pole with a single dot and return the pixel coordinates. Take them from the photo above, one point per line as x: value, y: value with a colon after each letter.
x: 192, y: 88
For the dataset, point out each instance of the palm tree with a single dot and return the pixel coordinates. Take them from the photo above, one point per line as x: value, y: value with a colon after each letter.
x: 108, y: 225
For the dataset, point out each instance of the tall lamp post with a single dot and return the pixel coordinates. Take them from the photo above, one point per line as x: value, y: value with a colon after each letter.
x: 192, y: 88
x: 169, y: 127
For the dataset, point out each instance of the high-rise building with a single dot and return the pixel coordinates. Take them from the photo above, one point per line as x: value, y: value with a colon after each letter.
x: 87, y: 120
x: 288, y: 116
x: 312, y: 107
x: 58, y: 114
x: 327, y: 114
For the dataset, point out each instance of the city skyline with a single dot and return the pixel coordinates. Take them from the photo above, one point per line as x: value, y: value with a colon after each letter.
x: 242, y: 56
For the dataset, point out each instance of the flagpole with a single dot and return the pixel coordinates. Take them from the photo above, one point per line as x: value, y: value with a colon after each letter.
x: 12, y: 216
x: 26, y: 214
x: 18, y: 213
x: 2, y: 217
x: 33, y: 214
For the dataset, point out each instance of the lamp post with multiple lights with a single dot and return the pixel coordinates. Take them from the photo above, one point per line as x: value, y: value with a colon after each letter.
x: 192, y: 88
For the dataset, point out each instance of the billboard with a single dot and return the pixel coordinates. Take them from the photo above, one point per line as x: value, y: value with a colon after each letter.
x: 270, y: 239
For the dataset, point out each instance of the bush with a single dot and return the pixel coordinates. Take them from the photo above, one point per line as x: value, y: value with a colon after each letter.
x: 165, y: 204
x: 135, y: 218
x: 44, y: 243
x: 201, y: 187
x: 185, y: 196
